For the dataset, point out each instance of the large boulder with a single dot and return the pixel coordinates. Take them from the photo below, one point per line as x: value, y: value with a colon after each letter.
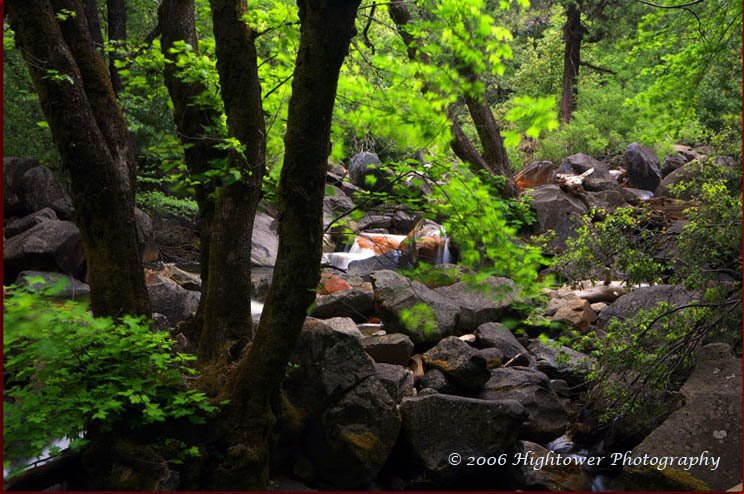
x: 394, y: 293
x: 170, y: 299
x: 560, y: 362
x: 599, y: 179
x: 393, y: 348
x: 643, y: 168
x: 336, y: 201
x: 20, y: 225
x: 496, y: 335
x: 534, y: 174
x: 393, y: 259
x: 437, y: 426
x: 608, y: 200
x: 48, y: 246
x: 490, y: 301
x: 676, y: 177
x: 63, y: 286
x: 366, y: 164
x: 13, y: 170
x: 532, y: 389
x: 709, y: 423
x: 556, y: 211
x: 643, y: 298
x: 397, y: 380
x: 336, y: 414
x: 38, y: 188
x: 265, y: 240
x: 355, y: 303
x: 460, y: 362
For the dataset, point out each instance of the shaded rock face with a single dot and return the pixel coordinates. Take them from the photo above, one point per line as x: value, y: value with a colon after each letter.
x: 336, y: 415
x: 395, y: 293
x: 38, y: 188
x: 70, y: 287
x: 643, y: 298
x: 434, y: 379
x: 355, y: 303
x: 496, y: 335
x: 48, y: 246
x: 435, y: 426
x: 460, y: 362
x: 560, y: 362
x: 532, y: 389
x: 170, y: 299
x: 535, y: 174
x: 13, y: 170
x: 20, y: 225
x: 388, y: 260
x: 676, y: 177
x: 609, y: 200
x: 550, y: 477
x: 398, y: 381
x: 557, y: 211
x: 490, y: 302
x: 265, y: 240
x: 643, y: 167
x: 710, y: 419
x: 393, y: 348
x: 368, y: 164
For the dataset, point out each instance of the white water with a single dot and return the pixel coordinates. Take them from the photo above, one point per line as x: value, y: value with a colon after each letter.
x: 256, y: 307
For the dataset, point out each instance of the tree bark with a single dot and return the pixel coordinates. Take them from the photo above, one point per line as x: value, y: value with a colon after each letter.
x: 176, y: 22
x: 117, y: 35
x: 327, y: 28
x: 94, y: 23
x: 572, y: 36
x: 88, y: 129
x: 227, y: 309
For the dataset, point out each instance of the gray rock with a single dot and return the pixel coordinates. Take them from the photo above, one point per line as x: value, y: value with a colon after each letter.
x: 67, y: 286
x: 491, y: 301
x: 495, y: 335
x: 48, y: 246
x: 643, y: 167
x: 494, y: 357
x: 643, y: 298
x: 435, y: 426
x: 395, y: 293
x: 337, y: 414
x: 673, y: 162
x: 397, y: 380
x: 20, y: 225
x: 436, y: 380
x: 387, y: 261
x: 355, y: 303
x: 609, y: 200
x: 678, y: 176
x: 556, y: 211
x: 13, y: 170
x: 460, y: 362
x: 368, y: 164
x: 38, y: 188
x: 143, y: 224
x: 599, y: 179
x: 392, y: 348
x: 547, y: 417
x: 344, y: 325
x: 336, y: 200
x: 710, y: 419
x: 265, y: 240
x: 560, y: 362
x: 373, y: 221
x: 172, y: 300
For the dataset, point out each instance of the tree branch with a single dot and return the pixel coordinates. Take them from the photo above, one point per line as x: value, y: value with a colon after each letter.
x: 598, y: 69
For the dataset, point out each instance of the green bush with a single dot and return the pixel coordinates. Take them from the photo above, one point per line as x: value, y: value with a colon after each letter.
x: 67, y: 371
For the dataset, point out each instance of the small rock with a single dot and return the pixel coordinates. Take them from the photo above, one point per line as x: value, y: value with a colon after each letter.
x: 560, y: 362
x: 354, y: 303
x: 496, y: 335
x: 436, y: 380
x: 392, y: 348
x: 344, y: 325
x: 397, y: 380
x: 494, y: 357
x: 577, y: 313
x: 464, y: 365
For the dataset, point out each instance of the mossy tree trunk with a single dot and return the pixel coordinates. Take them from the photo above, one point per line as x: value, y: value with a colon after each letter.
x: 227, y: 308
x: 572, y: 36
x: 88, y: 128
x: 326, y: 31
x: 177, y: 23
x: 117, y: 36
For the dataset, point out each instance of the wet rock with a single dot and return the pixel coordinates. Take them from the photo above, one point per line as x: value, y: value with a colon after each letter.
x: 643, y: 167
x: 577, y: 313
x: 393, y: 348
x: 709, y: 420
x: 435, y: 426
x: 535, y: 174
x: 265, y: 240
x: 490, y: 301
x: 48, y: 246
x: 496, y: 335
x: 13, y: 170
x: 643, y: 298
x: 395, y: 293
x: 356, y: 304
x: 65, y: 287
x: 336, y: 412
x: 560, y: 362
x: 397, y: 380
x: 556, y: 211
x: 170, y: 299
x: 460, y: 362
x: 550, y: 477
x: 38, y: 188
x: 547, y: 417
x: 20, y: 225
x: 427, y: 242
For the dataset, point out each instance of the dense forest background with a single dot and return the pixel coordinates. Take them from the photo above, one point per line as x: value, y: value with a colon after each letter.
x: 170, y: 131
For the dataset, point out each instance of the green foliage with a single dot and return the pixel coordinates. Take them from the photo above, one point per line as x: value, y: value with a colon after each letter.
x: 164, y: 204
x: 420, y: 317
x: 67, y: 371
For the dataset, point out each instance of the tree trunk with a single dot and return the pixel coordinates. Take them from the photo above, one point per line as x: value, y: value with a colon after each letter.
x: 572, y: 36
x: 176, y: 22
x: 227, y: 309
x: 94, y: 23
x: 117, y: 35
x: 89, y: 130
x: 327, y: 28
